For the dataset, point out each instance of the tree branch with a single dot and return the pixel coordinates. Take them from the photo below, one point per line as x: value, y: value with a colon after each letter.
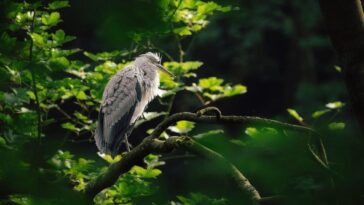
x: 151, y: 145
x: 191, y: 145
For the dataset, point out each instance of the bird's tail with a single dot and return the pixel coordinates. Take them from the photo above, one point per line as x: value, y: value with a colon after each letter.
x: 121, y: 143
x: 115, y: 145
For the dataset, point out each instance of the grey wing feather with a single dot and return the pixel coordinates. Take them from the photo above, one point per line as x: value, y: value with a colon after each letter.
x: 121, y: 96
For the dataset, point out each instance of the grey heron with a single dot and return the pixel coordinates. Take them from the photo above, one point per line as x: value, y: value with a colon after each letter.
x: 124, y: 100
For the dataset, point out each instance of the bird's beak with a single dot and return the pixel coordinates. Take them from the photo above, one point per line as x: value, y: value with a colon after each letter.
x: 165, y: 70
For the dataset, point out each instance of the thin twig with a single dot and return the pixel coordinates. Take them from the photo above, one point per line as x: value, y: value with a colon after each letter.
x: 170, y: 105
x: 34, y: 82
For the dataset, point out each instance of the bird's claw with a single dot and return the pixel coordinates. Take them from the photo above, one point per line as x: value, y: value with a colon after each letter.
x: 127, y: 145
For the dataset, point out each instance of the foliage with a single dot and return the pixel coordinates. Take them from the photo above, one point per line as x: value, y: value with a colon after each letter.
x: 196, y: 199
x: 43, y: 78
x: 138, y: 182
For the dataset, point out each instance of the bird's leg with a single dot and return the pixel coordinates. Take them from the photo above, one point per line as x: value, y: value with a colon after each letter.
x: 127, y: 144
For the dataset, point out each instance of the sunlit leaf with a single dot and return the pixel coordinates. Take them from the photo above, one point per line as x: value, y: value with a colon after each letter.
x: 182, y: 31
x: 319, y: 113
x: 149, y: 116
x: 81, y: 95
x: 295, y: 114
x: 211, y: 83
x: 338, y: 68
x: 251, y: 131
x: 182, y: 127
x: 335, y: 105
x: 182, y: 68
x: 51, y: 19
x: 167, y: 82
x: 153, y: 160
x: 59, y: 63
x: 235, y: 90
x: 37, y: 39
x: 82, y: 117
x: 109, y: 158
x: 21, y: 199
x: 145, y: 173
x: 70, y: 126
x: 60, y: 37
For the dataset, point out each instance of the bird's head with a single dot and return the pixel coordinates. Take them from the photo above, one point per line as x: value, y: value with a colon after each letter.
x: 156, y: 60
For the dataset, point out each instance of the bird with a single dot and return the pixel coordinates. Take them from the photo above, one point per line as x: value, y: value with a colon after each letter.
x: 124, y: 100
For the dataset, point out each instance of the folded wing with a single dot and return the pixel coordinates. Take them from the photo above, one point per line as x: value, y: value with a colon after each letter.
x: 121, y: 96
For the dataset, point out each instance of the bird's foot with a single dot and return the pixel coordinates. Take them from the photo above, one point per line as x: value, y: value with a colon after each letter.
x: 127, y: 145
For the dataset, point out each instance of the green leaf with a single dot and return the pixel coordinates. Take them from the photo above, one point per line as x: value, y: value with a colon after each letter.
x: 337, y: 125
x: 60, y: 63
x: 109, y: 158
x: 58, y: 5
x: 153, y: 161
x: 182, y: 68
x: 235, y: 90
x: 147, y: 116
x: 211, y: 83
x: 60, y: 38
x: 37, y: 39
x: 109, y: 67
x: 213, y: 97
x: 70, y: 126
x: 319, y: 113
x: 51, y: 19
x: 82, y: 117
x: 182, y: 31
x: 59, y: 35
x: 81, y: 95
x: 338, y: 68
x: 166, y: 81
x: 138, y: 170
x: 21, y: 199
x: 182, y: 127
x: 252, y: 131
x: 335, y: 105
x: 152, y: 173
x: 294, y: 114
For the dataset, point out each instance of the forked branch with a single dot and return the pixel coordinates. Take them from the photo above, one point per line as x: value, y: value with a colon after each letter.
x: 151, y: 144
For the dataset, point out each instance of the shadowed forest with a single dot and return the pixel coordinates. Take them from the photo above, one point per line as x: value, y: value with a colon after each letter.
x: 266, y: 107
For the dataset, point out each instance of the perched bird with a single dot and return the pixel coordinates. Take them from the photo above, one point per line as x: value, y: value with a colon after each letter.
x: 124, y: 100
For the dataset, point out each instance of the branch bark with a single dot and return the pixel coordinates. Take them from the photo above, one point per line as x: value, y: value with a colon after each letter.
x: 152, y: 145
x: 345, y: 24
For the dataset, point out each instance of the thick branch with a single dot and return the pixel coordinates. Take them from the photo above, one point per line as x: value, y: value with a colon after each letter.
x: 151, y: 145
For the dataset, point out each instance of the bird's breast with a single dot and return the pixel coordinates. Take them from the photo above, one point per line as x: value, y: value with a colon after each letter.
x: 149, y: 91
